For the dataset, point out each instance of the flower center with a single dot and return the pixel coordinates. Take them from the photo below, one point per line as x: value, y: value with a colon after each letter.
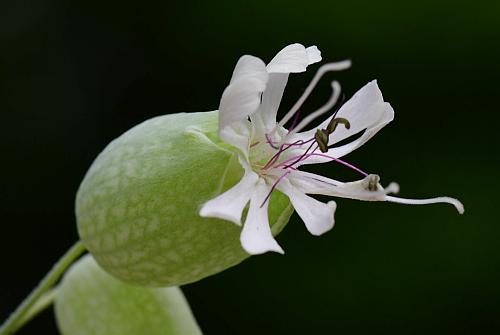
x: 273, y: 156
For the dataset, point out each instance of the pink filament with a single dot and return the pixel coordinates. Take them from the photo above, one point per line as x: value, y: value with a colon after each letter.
x: 295, y: 120
x: 281, y: 149
x: 341, y: 162
x: 304, y: 157
x: 273, y: 187
x: 271, y: 142
x: 301, y: 157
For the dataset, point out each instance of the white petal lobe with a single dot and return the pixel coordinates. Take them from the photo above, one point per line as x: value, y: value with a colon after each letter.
x: 452, y: 201
x: 310, y: 183
x: 249, y: 67
x: 294, y: 58
x: 313, y: 54
x: 256, y: 237
x: 271, y: 98
x: 317, y: 216
x: 239, y: 100
x: 230, y: 204
x: 366, y: 110
x: 242, y: 97
x: 238, y: 135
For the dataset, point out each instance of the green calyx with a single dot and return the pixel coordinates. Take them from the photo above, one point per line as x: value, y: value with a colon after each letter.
x: 138, y: 206
x: 90, y: 301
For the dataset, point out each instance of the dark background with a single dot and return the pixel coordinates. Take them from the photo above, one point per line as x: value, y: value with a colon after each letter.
x: 76, y: 74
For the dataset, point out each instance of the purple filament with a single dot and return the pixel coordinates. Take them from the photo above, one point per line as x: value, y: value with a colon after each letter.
x: 301, y: 157
x: 273, y: 187
x: 295, y: 121
x: 281, y: 149
x: 304, y: 157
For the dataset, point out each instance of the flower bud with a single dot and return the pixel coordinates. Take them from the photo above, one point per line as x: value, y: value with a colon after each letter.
x: 138, y: 206
x: 90, y: 301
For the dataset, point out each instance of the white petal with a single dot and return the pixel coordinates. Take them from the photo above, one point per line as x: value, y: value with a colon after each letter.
x: 294, y: 58
x: 238, y: 134
x: 311, y: 183
x: 317, y: 216
x: 239, y: 100
x: 230, y: 204
x: 313, y: 54
x: 452, y: 201
x: 271, y: 99
x: 256, y: 237
x: 366, y: 110
x: 242, y: 97
x: 315, y: 184
x: 249, y: 67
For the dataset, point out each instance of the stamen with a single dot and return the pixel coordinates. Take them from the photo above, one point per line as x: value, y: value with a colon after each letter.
x: 301, y: 157
x: 326, y: 107
x: 274, y: 158
x: 254, y: 144
x: 282, y: 148
x: 295, y: 120
x: 452, y: 201
x: 332, y: 125
x: 321, y: 71
x: 273, y: 187
x: 271, y: 142
x: 338, y: 160
x: 321, y: 138
x: 326, y: 156
x: 370, y: 183
x: 355, y: 194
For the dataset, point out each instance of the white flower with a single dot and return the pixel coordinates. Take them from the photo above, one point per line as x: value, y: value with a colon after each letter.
x: 271, y: 154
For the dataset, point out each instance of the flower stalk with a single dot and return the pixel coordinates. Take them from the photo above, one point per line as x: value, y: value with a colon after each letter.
x: 22, y: 314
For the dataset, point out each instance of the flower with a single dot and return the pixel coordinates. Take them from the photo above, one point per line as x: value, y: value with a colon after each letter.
x: 271, y: 155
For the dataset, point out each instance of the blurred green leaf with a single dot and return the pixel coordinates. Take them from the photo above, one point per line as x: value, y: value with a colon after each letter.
x: 90, y: 301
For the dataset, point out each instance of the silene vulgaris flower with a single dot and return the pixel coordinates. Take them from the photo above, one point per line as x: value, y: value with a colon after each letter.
x: 271, y: 155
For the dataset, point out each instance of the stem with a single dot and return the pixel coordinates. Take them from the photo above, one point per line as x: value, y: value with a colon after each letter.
x: 45, y: 301
x: 17, y: 319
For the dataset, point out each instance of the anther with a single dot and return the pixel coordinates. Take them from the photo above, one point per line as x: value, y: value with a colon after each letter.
x: 321, y: 138
x: 370, y: 183
x: 335, y: 121
x: 322, y: 135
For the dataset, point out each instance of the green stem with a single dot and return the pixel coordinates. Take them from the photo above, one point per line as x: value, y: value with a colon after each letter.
x: 17, y: 319
x: 45, y: 301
